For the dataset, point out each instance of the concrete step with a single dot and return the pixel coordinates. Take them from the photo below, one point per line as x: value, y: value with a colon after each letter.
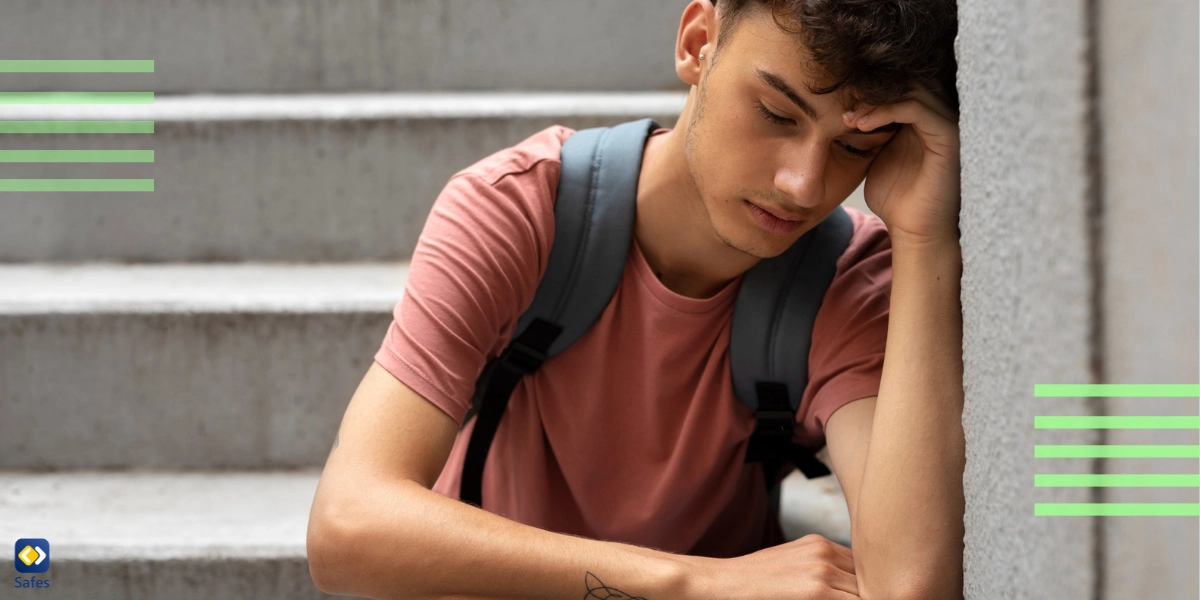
x: 814, y: 505
x: 333, y: 45
x: 184, y: 366
x: 278, y: 178
x: 150, y: 536
x: 227, y: 536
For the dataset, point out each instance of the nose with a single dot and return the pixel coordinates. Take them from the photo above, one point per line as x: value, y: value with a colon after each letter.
x: 801, y: 176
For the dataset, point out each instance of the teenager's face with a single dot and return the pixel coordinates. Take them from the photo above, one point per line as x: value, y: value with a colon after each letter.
x: 753, y: 149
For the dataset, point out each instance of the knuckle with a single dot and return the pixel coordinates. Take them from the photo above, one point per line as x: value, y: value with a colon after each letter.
x: 825, y: 571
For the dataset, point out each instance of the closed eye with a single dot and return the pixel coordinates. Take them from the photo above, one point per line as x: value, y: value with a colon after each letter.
x: 772, y: 117
x: 856, y: 152
x: 847, y: 149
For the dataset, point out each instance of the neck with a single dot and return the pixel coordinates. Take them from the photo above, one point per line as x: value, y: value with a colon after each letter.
x: 673, y: 229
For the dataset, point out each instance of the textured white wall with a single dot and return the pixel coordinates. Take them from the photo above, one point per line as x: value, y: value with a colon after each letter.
x: 1027, y: 290
x: 1148, y: 103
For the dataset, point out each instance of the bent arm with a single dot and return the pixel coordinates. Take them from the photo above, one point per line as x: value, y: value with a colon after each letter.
x: 377, y: 529
x: 902, y: 468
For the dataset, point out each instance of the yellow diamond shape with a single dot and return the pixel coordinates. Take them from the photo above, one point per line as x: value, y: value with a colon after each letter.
x: 27, y: 555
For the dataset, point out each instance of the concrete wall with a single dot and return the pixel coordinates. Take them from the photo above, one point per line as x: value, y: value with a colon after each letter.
x: 1147, y: 57
x: 334, y: 45
x: 1027, y: 289
x: 1079, y: 132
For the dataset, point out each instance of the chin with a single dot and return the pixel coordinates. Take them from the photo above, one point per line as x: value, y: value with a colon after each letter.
x: 749, y: 239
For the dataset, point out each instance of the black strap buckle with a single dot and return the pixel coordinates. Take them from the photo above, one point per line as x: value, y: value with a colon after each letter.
x: 522, y: 359
x: 774, y: 423
x: 772, y: 436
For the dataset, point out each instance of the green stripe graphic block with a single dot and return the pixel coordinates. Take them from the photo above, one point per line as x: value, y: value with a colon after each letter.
x: 1115, y: 480
x: 76, y: 185
x: 76, y: 97
x: 1100, y: 509
x: 76, y: 126
x: 1149, y: 390
x: 76, y: 66
x: 1116, y: 451
x: 76, y: 156
x: 1060, y: 422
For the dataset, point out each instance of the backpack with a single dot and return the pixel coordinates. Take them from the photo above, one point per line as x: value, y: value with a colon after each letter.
x: 594, y: 221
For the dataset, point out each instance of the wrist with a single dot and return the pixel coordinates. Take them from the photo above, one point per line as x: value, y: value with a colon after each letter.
x: 930, y: 250
x: 909, y: 242
x: 926, y: 262
x: 700, y: 578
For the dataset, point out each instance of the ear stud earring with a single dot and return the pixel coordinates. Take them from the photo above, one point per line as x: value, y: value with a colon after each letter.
x: 701, y: 57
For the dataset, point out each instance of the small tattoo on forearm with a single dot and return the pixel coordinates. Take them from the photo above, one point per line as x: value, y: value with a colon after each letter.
x: 597, y: 589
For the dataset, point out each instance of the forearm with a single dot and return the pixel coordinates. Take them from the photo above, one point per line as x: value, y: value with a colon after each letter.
x: 908, y: 531
x: 401, y: 540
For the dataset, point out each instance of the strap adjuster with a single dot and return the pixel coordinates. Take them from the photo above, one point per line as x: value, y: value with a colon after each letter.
x: 522, y: 359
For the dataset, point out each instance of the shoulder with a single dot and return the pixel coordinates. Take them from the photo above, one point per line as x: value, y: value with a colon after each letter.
x: 535, y: 157
x: 869, y: 240
x: 850, y: 332
x: 506, y: 198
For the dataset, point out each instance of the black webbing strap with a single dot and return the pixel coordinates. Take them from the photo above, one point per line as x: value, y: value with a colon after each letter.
x: 522, y: 357
x: 771, y: 442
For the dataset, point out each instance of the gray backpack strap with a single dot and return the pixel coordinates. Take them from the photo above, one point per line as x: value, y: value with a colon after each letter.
x: 593, y: 220
x: 594, y: 212
x: 772, y: 333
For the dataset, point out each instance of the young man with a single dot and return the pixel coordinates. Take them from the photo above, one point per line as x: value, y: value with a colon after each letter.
x: 617, y: 471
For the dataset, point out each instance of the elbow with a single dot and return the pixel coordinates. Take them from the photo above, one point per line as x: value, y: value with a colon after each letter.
x: 342, y: 545
x: 927, y: 579
x: 925, y: 588
x: 936, y: 591
x: 321, y: 545
x: 330, y: 546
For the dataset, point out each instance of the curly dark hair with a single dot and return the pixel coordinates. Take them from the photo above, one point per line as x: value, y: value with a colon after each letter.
x: 878, y: 50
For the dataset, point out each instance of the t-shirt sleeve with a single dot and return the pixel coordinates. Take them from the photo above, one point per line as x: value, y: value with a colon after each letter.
x: 474, y: 270
x: 850, y: 332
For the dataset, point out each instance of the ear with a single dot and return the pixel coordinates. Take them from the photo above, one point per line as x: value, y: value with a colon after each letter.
x: 697, y: 35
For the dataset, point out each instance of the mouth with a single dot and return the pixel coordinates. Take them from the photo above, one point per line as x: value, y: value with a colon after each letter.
x: 773, y: 220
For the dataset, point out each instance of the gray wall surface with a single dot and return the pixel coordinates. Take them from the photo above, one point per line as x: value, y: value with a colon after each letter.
x: 334, y: 45
x: 1026, y: 290
x: 1148, y: 103
x: 1079, y: 145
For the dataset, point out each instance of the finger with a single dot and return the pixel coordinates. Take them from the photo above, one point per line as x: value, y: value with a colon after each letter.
x: 845, y: 552
x: 842, y: 595
x: 816, y: 538
x: 933, y: 101
x: 837, y: 554
x: 843, y: 585
x: 843, y: 561
x: 910, y: 112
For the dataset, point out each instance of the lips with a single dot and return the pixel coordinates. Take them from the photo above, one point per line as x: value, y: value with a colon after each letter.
x: 778, y: 214
x: 772, y: 220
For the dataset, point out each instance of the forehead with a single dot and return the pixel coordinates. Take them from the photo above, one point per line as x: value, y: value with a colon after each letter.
x: 759, y: 42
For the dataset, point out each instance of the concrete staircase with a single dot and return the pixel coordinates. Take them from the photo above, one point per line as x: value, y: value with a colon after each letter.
x: 173, y: 364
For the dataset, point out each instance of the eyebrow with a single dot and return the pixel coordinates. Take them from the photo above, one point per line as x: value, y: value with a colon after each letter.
x: 782, y: 87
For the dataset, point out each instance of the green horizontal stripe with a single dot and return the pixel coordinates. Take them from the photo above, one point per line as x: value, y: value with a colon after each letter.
x: 1115, y: 480
x: 1116, y: 451
x: 1097, y: 390
x: 76, y: 185
x: 1151, y: 509
x: 76, y: 156
x: 1057, y: 422
x: 76, y: 97
x: 76, y: 66
x: 76, y: 126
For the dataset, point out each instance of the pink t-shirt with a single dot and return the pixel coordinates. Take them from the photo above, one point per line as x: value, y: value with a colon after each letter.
x: 633, y: 433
